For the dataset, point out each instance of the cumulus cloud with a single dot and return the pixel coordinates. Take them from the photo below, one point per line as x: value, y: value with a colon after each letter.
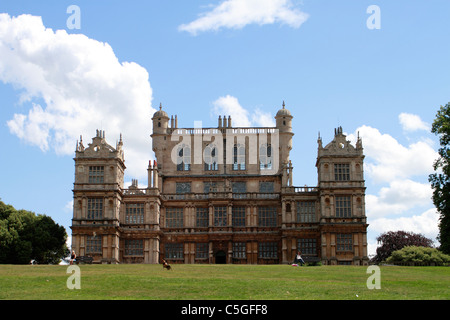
x: 241, y: 117
x: 399, y: 197
x: 425, y: 223
x: 388, y: 160
x: 72, y: 85
x: 412, y: 122
x: 236, y: 14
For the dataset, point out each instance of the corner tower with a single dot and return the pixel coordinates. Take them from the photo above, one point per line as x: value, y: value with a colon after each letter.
x: 342, y: 201
x: 97, y: 198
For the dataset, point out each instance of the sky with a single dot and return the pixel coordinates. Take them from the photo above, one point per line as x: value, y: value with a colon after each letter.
x: 377, y: 68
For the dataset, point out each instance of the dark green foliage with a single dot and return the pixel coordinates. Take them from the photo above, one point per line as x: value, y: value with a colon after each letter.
x: 440, y: 181
x: 25, y: 236
x: 419, y: 256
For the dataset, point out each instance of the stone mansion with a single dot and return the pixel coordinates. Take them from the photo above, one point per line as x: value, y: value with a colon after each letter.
x: 220, y: 195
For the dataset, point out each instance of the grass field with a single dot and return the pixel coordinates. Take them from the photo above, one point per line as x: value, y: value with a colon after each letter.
x: 223, y: 282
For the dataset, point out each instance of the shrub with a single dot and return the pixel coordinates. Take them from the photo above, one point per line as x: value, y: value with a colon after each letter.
x: 419, y: 256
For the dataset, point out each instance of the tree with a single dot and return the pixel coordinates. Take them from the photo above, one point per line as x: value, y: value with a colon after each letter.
x: 25, y: 236
x: 396, y: 240
x: 440, y: 181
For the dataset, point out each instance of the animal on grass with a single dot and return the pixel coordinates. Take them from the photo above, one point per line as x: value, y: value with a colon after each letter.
x: 166, y: 265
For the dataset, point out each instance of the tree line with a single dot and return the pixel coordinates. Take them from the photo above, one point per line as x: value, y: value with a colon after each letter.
x: 26, y: 236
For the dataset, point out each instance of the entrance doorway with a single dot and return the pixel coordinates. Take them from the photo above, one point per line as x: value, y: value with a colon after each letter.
x: 221, y: 257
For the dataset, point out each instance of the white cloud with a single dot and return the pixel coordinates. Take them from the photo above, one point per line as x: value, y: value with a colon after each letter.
x: 399, y: 197
x: 425, y: 223
x: 412, y: 122
x: 72, y: 86
x: 388, y: 160
x: 241, y: 117
x: 236, y: 14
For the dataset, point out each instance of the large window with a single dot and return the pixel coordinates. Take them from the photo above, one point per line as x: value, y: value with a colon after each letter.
x: 95, y: 208
x: 267, y: 216
x: 265, y: 157
x: 96, y: 174
x: 266, y: 186
x: 307, y: 246
x: 239, y: 249
x: 238, y: 216
x: 239, y: 157
x: 182, y: 187
x: 202, y: 217
x: 184, y: 158
x: 134, y: 213
x: 220, y: 216
x: 268, y: 250
x: 174, y: 217
x: 201, y: 250
x: 93, y: 244
x: 306, y: 211
x: 134, y: 248
x: 342, y: 172
x: 211, y: 158
x: 344, y: 242
x: 343, y: 207
x: 173, y: 251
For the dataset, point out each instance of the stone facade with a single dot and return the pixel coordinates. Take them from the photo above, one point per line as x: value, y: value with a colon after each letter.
x: 220, y: 195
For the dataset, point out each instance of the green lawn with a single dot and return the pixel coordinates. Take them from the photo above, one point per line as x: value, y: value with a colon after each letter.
x: 223, y: 282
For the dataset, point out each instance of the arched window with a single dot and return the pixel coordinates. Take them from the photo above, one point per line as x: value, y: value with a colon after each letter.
x: 239, y: 157
x: 184, y: 158
x: 265, y: 157
x: 211, y: 158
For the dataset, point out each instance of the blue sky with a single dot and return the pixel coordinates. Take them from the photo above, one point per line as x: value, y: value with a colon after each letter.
x: 205, y: 58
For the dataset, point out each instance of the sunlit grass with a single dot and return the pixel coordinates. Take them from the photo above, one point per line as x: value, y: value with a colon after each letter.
x: 223, y: 282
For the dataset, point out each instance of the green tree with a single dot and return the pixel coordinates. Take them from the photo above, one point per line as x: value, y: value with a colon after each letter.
x: 440, y: 180
x: 25, y: 236
x: 419, y: 255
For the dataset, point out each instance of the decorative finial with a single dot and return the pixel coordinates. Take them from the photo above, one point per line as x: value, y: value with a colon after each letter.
x: 160, y: 106
x: 283, y: 104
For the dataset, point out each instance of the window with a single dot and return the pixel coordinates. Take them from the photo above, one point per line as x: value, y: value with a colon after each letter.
x: 201, y: 250
x: 184, y: 158
x: 134, y: 247
x: 134, y: 213
x: 266, y: 186
x: 95, y: 208
x: 268, y: 250
x: 239, y: 157
x: 307, y: 246
x: 173, y: 251
x: 220, y: 216
x: 343, y: 207
x: 306, y: 211
x: 211, y: 158
x: 96, y: 174
x: 265, y: 157
x: 174, y: 217
x: 239, y: 187
x: 344, y: 242
x: 93, y: 245
x: 239, y: 249
x: 183, y: 187
x: 238, y: 216
x: 202, y: 217
x: 267, y: 216
x: 342, y: 172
